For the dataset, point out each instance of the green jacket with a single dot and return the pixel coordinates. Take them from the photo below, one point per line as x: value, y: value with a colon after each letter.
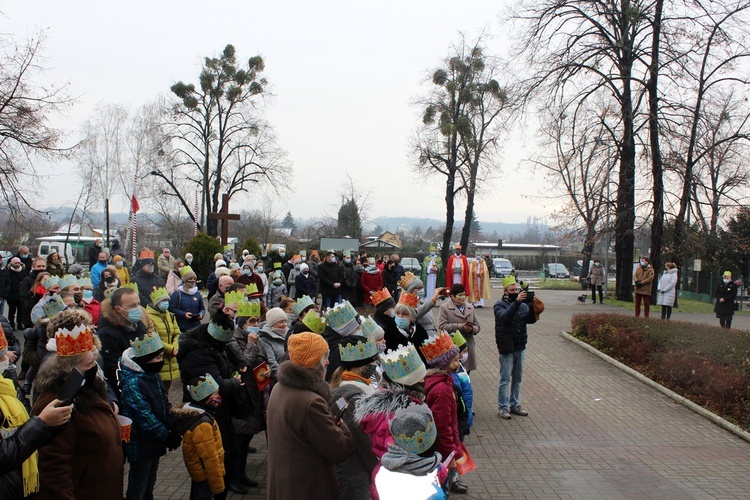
x: 166, y: 324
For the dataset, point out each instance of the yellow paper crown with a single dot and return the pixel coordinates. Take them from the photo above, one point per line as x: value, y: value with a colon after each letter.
x: 158, y: 295
x: 251, y: 289
x: 248, y: 309
x: 132, y: 286
x: 234, y: 298
x: 314, y: 321
x: 509, y: 280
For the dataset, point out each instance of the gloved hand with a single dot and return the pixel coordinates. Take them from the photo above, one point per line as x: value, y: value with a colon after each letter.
x: 173, y: 440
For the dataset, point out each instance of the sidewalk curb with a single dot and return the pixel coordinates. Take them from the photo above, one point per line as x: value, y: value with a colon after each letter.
x: 725, y: 424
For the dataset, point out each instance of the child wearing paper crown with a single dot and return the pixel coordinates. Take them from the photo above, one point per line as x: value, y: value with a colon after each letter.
x: 411, y: 468
x: 144, y: 400
x: 463, y: 388
x: 202, y: 446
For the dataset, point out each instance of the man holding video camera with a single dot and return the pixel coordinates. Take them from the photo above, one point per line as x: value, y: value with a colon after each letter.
x: 512, y: 313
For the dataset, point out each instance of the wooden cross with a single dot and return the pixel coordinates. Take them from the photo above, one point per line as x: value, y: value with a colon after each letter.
x: 224, y: 216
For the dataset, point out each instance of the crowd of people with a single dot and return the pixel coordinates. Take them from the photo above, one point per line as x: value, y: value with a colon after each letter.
x: 362, y: 389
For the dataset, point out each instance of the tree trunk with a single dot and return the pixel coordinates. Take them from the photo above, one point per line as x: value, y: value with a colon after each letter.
x: 657, y: 167
x: 449, y: 216
x: 469, y: 214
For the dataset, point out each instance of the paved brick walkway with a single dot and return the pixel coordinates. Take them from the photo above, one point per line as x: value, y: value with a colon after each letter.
x: 592, y: 432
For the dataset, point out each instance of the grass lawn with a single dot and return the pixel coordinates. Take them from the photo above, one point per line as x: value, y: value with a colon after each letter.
x: 556, y: 284
x: 685, y: 305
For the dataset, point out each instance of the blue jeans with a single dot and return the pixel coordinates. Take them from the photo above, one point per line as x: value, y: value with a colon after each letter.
x: 511, y: 372
x: 141, y: 479
x: 329, y: 301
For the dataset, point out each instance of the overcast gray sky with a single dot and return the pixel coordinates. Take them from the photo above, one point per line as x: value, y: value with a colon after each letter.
x: 343, y: 75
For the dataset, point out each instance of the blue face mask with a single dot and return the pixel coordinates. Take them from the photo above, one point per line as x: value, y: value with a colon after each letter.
x: 88, y: 294
x: 402, y: 323
x: 163, y: 306
x: 259, y: 269
x: 134, y: 315
x: 24, y: 256
x: 252, y: 329
x: 247, y: 272
x: 282, y: 254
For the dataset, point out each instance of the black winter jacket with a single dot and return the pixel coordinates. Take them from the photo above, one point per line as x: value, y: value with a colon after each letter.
x: 328, y: 274
x: 14, y: 450
x: 147, y: 282
x: 115, y: 339
x: 511, y: 319
x: 14, y: 284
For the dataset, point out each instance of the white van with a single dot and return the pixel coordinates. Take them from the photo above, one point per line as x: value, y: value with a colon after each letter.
x: 47, y: 247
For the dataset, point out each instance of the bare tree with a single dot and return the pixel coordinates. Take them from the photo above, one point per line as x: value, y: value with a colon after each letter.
x: 25, y: 108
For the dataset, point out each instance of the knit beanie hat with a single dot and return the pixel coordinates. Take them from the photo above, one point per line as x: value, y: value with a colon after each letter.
x: 220, y: 263
x: 222, y: 271
x: 413, y: 285
x: 306, y: 349
x: 190, y: 275
x: 275, y: 315
x: 413, y: 428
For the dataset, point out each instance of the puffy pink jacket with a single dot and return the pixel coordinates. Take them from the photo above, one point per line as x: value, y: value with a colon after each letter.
x: 442, y: 401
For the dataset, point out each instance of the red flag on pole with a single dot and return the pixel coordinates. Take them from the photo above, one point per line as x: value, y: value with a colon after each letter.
x: 134, y: 205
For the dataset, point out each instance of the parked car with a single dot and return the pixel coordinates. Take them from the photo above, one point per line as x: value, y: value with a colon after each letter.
x: 411, y: 264
x: 557, y: 270
x: 502, y: 268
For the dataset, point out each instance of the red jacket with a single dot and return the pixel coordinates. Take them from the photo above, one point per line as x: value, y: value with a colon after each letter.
x: 371, y: 283
x: 442, y: 401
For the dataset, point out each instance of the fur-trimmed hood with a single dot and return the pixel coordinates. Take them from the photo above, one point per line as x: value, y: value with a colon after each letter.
x: 382, y: 402
x: 306, y: 379
x: 109, y: 313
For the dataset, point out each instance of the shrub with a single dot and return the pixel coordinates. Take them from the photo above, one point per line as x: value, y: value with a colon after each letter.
x: 203, y: 247
x: 707, y: 365
x: 251, y: 246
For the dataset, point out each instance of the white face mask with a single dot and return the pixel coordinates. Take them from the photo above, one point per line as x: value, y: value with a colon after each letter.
x: 4, y: 365
x: 464, y: 357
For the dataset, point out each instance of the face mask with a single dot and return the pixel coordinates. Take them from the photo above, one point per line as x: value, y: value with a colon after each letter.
x: 163, y: 306
x: 464, y: 357
x: 88, y: 295
x: 252, y: 329
x: 134, y: 315
x: 282, y: 254
x: 148, y: 269
x: 77, y: 297
x: 420, y: 293
x: 40, y: 290
x: 643, y: 263
x: 214, y: 401
x: 103, y: 262
x: 277, y: 281
x: 259, y: 269
x: 263, y: 254
x: 432, y: 254
x: 372, y: 267
x: 726, y: 280
x: 153, y: 367
x: 512, y: 296
x: 347, y: 261
x: 16, y: 267
x: 458, y: 254
x: 368, y: 371
x: 25, y: 256
x: 247, y: 272
x: 119, y: 263
x: 279, y: 331
x: 192, y: 291
x: 296, y: 266
x: 304, y: 259
x: 109, y: 279
x: 4, y: 365
x: 402, y: 323
x: 382, y: 348
x: 333, y: 260
x: 596, y: 264
x: 189, y: 261
x: 305, y: 272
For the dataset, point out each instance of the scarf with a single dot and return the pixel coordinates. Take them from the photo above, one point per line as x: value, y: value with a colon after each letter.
x: 351, y: 376
x: 397, y: 459
x: 15, y: 416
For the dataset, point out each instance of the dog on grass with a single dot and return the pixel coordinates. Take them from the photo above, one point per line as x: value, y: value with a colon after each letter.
x: 581, y: 298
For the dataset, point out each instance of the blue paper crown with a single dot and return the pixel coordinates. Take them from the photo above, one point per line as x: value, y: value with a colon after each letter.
x: 220, y: 333
x: 371, y: 329
x: 50, y: 281
x: 404, y: 365
x: 359, y: 351
x: 148, y: 344
x: 341, y: 314
x: 85, y: 282
x: 203, y: 389
x: 302, y: 303
x: 420, y: 441
x: 68, y: 280
x: 53, y: 307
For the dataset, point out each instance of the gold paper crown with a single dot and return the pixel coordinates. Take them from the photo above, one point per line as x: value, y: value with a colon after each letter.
x: 74, y: 342
x: 234, y: 298
x: 407, y: 278
x: 458, y: 339
x: 158, y: 295
x: 185, y: 270
x: 248, y: 310
x: 132, y: 286
x: 409, y: 299
x: 380, y: 295
x: 437, y: 346
x: 314, y: 321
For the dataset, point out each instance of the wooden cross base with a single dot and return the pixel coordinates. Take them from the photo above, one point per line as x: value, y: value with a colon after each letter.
x: 224, y: 216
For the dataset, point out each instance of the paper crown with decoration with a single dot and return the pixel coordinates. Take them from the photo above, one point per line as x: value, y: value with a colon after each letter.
x: 219, y: 333
x: 251, y: 289
x: 413, y: 428
x: 148, y: 344
x: 433, y: 248
x: 361, y: 353
x: 458, y: 339
x: 185, y: 270
x: 404, y: 365
x: 380, y: 295
x: 3, y: 343
x: 73, y: 342
x: 248, y: 310
x: 68, y: 280
x: 408, y: 299
x: 54, y: 306
x: 132, y: 286
x: 439, y: 351
x: 234, y: 298
x: 509, y: 280
x: 302, y: 303
x: 277, y: 265
x: 314, y: 321
x: 727, y: 273
x: 146, y: 254
x: 84, y: 282
x: 50, y: 281
x: 159, y: 295
x: 407, y: 278
x: 343, y: 318
x: 371, y: 329
x: 203, y: 389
